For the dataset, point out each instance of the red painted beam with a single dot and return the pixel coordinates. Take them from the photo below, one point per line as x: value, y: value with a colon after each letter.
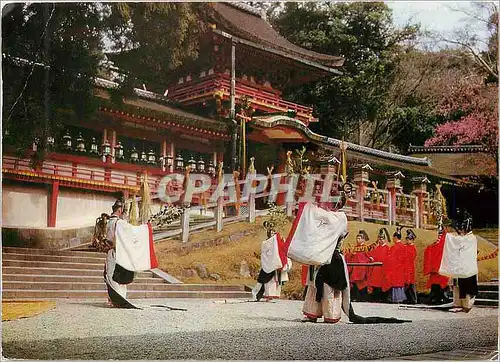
x: 52, y: 201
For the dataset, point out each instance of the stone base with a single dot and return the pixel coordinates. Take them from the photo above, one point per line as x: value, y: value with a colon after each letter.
x: 46, y: 238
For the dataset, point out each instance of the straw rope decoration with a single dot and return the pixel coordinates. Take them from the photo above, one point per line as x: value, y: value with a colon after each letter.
x: 360, y: 249
x: 489, y: 256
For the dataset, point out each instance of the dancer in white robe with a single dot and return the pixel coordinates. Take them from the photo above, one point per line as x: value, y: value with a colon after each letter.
x: 273, y: 274
x: 460, y: 262
x: 326, y: 286
x: 131, y: 250
x: 316, y: 240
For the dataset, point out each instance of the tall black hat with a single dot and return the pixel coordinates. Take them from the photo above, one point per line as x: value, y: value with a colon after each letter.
x: 410, y: 235
x: 383, y: 233
x: 466, y: 222
x: 118, y: 204
x: 463, y: 222
x: 363, y: 234
x: 398, y: 233
x: 440, y: 228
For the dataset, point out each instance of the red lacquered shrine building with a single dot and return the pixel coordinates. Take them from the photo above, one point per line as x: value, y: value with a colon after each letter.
x: 159, y: 132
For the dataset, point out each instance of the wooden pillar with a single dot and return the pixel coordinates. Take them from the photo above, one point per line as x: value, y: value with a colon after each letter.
x: 329, y: 171
x: 361, y: 178
x: 420, y: 191
x: 113, y: 144
x: 185, y: 223
x: 280, y: 199
x: 393, y: 186
x: 251, y: 207
x: 164, y: 155
x: 172, y: 153
x: 234, y: 139
x: 104, y: 139
x: 52, y: 204
x: 219, y: 213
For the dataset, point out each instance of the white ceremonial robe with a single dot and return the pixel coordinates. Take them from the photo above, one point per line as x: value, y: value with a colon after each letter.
x: 330, y: 307
x: 133, y: 251
x: 459, y: 256
x: 272, y: 289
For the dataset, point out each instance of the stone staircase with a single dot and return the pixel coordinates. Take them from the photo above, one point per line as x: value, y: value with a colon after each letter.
x: 50, y: 274
x: 487, y: 294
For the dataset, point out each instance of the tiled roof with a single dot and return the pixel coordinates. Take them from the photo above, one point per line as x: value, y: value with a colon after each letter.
x: 446, y: 149
x: 251, y: 26
x: 273, y: 121
x: 155, y: 103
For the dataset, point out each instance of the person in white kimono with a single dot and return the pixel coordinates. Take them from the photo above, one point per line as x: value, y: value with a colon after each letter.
x: 271, y: 289
x: 459, y: 261
x: 115, y: 276
x: 326, y: 286
x: 269, y: 283
x: 466, y: 289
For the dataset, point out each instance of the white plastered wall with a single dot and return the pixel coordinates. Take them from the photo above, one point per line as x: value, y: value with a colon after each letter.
x: 24, y: 206
x: 78, y: 209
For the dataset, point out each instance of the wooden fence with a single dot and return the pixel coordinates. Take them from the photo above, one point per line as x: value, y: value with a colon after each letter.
x: 370, y: 204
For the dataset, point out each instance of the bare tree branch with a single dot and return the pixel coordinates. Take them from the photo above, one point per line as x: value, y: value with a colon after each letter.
x: 476, y: 56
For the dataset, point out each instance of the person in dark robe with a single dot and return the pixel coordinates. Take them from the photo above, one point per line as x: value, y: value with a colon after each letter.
x: 378, y: 276
x: 410, y: 258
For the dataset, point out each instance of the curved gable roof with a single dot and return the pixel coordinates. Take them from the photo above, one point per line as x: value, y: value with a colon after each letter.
x: 251, y: 26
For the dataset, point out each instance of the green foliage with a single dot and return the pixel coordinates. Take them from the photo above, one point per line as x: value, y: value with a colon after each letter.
x: 62, y: 45
x: 155, y: 38
x: 364, y: 35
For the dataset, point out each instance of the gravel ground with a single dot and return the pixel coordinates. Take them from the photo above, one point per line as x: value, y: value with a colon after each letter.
x: 234, y: 330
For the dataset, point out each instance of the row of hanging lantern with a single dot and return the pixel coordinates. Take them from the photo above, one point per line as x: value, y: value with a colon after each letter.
x: 194, y: 166
x: 80, y: 147
x: 168, y: 162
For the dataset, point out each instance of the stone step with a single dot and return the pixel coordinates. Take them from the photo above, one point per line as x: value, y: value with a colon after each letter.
x: 33, y: 251
x: 61, y: 271
x: 28, y: 264
x: 29, y: 278
x: 488, y: 294
x: 16, y: 294
x: 488, y: 286
x: 486, y: 302
x: 57, y: 258
x: 134, y: 286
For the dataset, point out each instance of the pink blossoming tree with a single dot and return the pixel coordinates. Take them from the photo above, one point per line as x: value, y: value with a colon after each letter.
x: 472, y: 112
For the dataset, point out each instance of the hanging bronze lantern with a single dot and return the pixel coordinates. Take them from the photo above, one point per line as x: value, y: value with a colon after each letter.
x: 119, y: 151
x: 106, y: 148
x: 151, y: 157
x: 201, y: 165
x: 94, y: 149
x: 211, y: 168
x: 179, y: 162
x: 134, y: 155
x: 192, y: 164
x: 80, y: 144
x: 67, y: 142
